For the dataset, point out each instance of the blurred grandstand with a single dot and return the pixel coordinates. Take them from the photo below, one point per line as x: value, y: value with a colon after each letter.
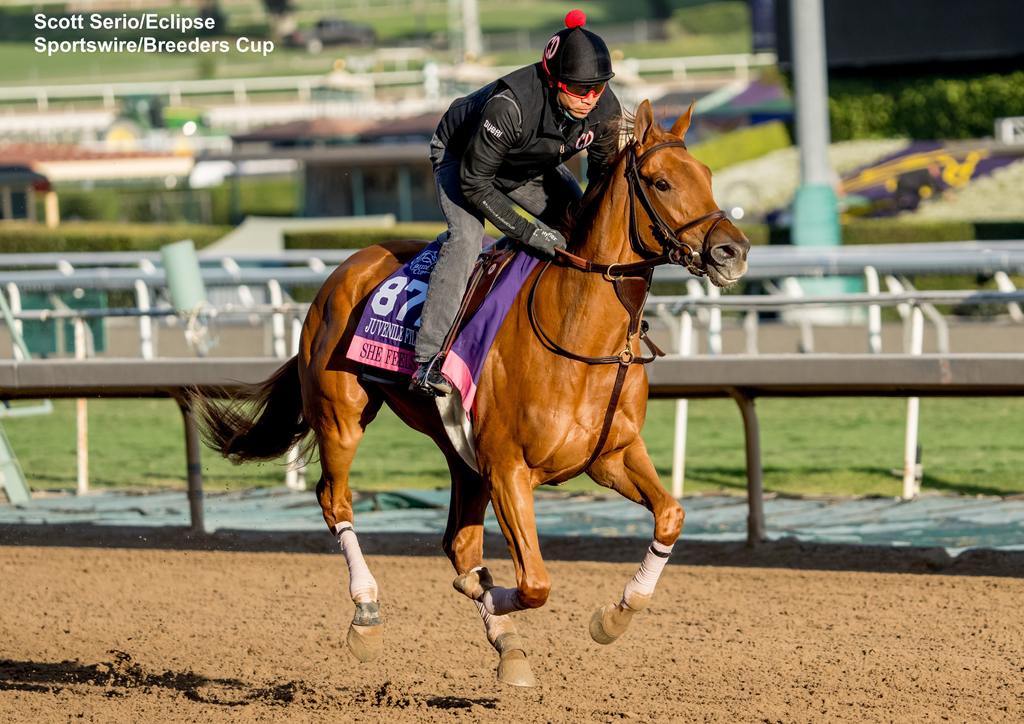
x: 340, y: 129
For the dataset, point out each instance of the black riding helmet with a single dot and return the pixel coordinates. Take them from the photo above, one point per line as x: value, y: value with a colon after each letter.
x: 576, y: 55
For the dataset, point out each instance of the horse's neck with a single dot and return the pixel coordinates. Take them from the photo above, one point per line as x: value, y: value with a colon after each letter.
x: 586, y: 300
x: 606, y: 241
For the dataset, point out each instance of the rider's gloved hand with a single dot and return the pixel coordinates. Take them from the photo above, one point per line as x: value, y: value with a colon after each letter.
x: 545, y: 241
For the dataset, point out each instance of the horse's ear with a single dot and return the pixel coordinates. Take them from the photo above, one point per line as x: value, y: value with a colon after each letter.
x: 682, y: 123
x: 643, y: 122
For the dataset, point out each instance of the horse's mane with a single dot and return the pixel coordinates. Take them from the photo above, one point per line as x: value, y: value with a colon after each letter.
x: 580, y: 213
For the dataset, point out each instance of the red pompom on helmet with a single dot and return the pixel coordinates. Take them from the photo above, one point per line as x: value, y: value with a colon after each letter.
x: 576, y: 55
x: 575, y: 19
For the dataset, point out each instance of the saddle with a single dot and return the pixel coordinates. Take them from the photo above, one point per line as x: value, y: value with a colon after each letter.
x: 386, y: 333
x: 489, y: 265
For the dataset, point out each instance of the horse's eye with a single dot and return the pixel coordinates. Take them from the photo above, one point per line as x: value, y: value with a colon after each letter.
x: 662, y: 185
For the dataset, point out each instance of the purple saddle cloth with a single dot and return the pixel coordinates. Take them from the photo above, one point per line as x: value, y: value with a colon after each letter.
x: 386, y: 335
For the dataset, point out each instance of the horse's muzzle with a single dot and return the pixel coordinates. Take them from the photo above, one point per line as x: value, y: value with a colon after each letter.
x: 725, y: 258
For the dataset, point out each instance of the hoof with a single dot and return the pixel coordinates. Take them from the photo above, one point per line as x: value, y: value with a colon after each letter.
x: 609, y: 622
x: 514, y: 670
x: 474, y: 584
x: 365, y: 642
x: 366, y: 633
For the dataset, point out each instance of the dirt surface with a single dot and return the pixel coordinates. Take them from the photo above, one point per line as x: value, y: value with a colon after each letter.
x: 145, y: 632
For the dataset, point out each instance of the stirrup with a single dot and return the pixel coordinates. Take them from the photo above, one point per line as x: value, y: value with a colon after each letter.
x: 428, y: 380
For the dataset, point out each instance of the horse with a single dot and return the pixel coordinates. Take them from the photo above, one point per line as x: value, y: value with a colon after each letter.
x: 563, y: 390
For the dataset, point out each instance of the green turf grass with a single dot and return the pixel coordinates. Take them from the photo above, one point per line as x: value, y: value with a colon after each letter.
x: 809, y: 447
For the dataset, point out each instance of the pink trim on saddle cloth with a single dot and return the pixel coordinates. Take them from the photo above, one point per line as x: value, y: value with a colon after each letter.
x: 380, y: 355
x: 459, y: 374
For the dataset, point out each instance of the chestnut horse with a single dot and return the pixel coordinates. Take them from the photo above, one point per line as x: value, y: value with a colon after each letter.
x: 561, y: 392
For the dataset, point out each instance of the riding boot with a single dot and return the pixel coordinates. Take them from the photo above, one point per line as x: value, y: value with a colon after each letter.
x: 428, y: 380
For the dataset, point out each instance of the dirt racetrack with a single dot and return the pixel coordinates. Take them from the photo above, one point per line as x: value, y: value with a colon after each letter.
x: 141, y: 631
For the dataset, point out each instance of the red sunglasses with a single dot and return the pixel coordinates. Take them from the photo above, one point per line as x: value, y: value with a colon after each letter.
x: 582, y: 90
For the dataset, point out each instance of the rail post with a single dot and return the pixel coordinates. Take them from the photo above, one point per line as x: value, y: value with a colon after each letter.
x: 874, y: 311
x: 194, y: 469
x: 911, y: 485
x: 682, y: 411
x: 755, y: 480
x: 81, y: 417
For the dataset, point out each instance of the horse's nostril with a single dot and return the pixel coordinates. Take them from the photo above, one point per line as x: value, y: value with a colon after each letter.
x: 725, y: 253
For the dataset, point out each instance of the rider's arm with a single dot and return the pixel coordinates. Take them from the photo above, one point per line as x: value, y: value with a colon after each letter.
x: 499, y: 128
x: 605, y: 148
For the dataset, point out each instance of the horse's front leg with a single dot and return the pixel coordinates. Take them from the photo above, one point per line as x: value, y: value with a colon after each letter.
x: 512, y: 501
x: 464, y: 545
x: 630, y: 472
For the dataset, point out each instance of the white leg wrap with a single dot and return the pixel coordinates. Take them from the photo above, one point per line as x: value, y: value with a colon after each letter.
x: 361, y: 584
x: 499, y: 601
x: 495, y: 626
x: 646, y: 578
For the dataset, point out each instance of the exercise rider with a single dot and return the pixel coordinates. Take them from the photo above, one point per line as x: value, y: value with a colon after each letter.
x: 506, y: 143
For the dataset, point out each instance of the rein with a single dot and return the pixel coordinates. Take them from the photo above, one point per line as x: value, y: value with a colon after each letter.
x: 631, y: 281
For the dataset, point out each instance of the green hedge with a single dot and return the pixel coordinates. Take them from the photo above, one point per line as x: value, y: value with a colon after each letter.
x: 30, y: 238
x: 742, y: 145
x: 923, y: 108
x: 256, y: 197
x: 359, y: 238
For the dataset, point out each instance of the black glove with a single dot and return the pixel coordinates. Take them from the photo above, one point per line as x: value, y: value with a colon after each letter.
x: 545, y: 241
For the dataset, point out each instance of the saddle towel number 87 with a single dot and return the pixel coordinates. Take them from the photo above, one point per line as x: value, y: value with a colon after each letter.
x: 386, y: 297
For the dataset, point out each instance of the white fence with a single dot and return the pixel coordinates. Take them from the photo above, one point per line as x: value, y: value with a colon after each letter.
x: 681, y: 314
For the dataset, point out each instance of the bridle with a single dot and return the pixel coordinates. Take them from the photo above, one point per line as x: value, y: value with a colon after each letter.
x: 631, y: 281
x: 674, y: 249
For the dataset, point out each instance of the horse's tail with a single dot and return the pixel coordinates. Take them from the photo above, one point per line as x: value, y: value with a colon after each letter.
x: 260, y: 422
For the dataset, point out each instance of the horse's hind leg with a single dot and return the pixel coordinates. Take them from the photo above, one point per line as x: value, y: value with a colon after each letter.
x: 339, y: 428
x: 630, y: 472
x: 464, y: 545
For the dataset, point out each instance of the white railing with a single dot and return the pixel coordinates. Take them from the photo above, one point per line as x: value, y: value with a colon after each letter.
x: 363, y: 85
x: 139, y: 272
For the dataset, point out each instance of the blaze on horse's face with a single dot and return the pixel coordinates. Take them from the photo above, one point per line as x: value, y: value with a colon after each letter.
x: 679, y: 188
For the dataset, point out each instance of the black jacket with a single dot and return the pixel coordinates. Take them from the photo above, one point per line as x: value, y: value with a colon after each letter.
x: 513, y: 130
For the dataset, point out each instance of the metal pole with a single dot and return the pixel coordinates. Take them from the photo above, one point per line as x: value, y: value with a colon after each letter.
x: 910, y: 484
x: 815, y: 215
x: 682, y: 412
x: 145, y: 322
x: 82, y: 416
x: 1005, y: 284
x: 755, y: 481
x: 750, y: 320
x: 16, y: 326
x: 874, y: 311
x: 277, y: 319
x: 472, y: 42
x: 194, y: 469
x: 714, y: 322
